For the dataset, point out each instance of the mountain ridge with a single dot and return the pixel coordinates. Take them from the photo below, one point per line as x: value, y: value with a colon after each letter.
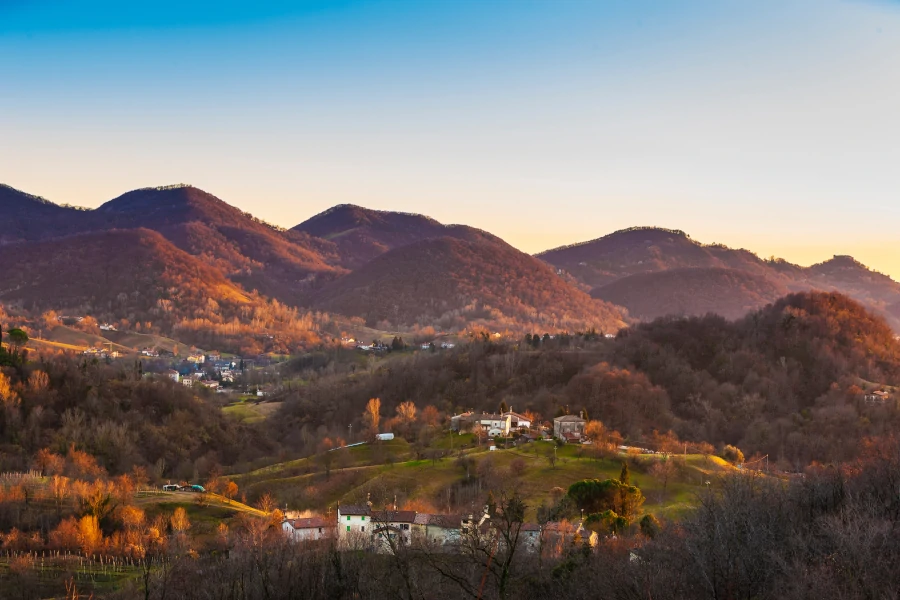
x: 635, y: 267
x: 448, y: 281
x: 362, y: 234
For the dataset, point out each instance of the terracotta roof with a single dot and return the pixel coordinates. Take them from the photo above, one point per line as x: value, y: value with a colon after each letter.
x: 557, y: 527
x: 308, y: 523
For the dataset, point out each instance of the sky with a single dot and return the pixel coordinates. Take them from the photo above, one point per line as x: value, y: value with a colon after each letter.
x: 768, y: 125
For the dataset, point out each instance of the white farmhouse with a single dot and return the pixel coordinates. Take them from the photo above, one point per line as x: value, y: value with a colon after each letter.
x: 517, y: 421
x: 307, y: 529
x: 438, y: 530
x: 392, y: 528
x: 354, y: 525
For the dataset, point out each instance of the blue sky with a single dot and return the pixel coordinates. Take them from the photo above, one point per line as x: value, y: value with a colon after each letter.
x: 767, y: 125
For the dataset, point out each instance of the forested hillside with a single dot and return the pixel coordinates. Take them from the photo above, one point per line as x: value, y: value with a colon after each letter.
x: 730, y: 293
x: 361, y: 234
x: 138, y: 280
x: 787, y: 380
x: 27, y: 217
x: 124, y: 421
x: 448, y: 282
x: 654, y: 272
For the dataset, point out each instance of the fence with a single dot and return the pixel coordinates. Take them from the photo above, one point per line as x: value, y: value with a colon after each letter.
x: 15, y: 478
x: 93, y: 568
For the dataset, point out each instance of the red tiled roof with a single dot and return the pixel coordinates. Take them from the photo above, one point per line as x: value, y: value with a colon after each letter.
x: 308, y: 523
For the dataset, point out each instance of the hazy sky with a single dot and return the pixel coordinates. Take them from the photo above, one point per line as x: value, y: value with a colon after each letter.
x: 773, y: 126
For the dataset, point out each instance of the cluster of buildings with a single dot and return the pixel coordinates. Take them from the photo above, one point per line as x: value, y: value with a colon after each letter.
x: 566, y: 428
x: 195, y: 378
x: 494, y: 424
x: 101, y: 353
x: 877, y: 397
x: 359, y: 526
x: 442, y: 345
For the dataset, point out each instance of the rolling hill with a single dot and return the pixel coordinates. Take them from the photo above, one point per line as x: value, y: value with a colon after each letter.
x: 691, y: 291
x: 361, y: 234
x: 26, y: 217
x: 114, y: 274
x: 286, y: 265
x: 645, y: 250
x: 258, y: 256
x: 449, y: 282
x: 626, y: 267
x: 331, y: 261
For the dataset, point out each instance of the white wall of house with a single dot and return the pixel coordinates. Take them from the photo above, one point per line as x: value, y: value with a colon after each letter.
x: 304, y: 534
x: 353, y: 530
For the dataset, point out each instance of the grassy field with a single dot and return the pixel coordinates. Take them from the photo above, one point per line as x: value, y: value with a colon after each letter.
x: 139, y: 341
x: 72, y: 337
x: 248, y: 409
x: 68, y: 338
x: 382, y: 470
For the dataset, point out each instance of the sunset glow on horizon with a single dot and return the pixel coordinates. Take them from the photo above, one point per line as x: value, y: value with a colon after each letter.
x: 771, y: 126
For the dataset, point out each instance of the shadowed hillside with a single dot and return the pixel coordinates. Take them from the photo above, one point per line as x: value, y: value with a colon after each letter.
x: 27, y: 217
x: 643, y: 250
x: 694, y: 291
x: 632, y: 254
x: 448, y: 281
x: 849, y: 276
x: 362, y: 234
x: 119, y: 272
x: 252, y: 253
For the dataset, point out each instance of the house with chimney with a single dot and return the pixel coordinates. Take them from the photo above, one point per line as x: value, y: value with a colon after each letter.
x: 877, y: 397
x: 307, y: 529
x: 392, y: 528
x: 492, y: 424
x: 516, y: 421
x: 569, y: 428
x: 354, y: 525
x: 437, y: 529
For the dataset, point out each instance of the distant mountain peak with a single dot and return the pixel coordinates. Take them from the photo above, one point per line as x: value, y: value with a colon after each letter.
x: 162, y: 188
x: 350, y: 214
x: 362, y: 234
x: 172, y: 203
x: 843, y: 260
x: 9, y: 192
x: 647, y: 232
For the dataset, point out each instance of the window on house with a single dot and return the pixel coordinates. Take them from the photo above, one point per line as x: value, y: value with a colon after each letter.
x: 363, y: 518
x: 348, y: 528
x: 348, y: 518
x: 320, y: 530
x: 404, y: 526
x: 363, y: 529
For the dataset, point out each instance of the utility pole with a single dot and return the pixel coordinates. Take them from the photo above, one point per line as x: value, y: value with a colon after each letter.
x: 350, y: 436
